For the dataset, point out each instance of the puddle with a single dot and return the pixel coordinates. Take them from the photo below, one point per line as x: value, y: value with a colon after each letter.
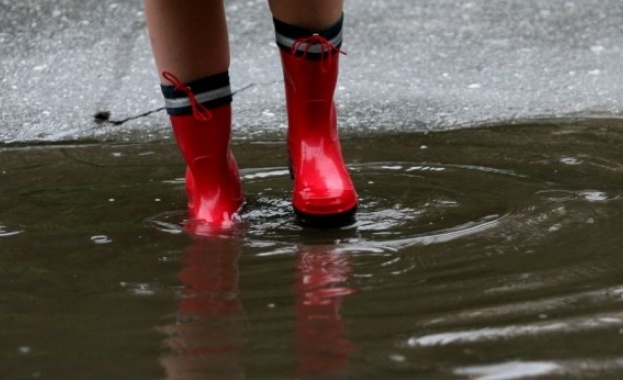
x: 489, y: 253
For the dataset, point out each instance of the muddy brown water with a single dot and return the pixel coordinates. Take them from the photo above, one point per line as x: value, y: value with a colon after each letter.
x: 484, y: 253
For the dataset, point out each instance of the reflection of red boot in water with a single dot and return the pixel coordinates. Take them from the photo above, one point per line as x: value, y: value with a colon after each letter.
x: 200, y: 115
x: 322, y: 346
x: 207, y: 340
x: 323, y: 189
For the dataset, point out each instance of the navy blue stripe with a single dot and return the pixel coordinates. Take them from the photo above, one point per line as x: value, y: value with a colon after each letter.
x: 209, y: 105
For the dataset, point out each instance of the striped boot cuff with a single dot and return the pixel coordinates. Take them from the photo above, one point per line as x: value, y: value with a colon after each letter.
x: 211, y: 92
x: 292, y: 39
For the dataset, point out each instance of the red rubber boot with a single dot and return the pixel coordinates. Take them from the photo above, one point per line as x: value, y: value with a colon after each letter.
x: 324, y: 193
x: 212, y: 178
x: 203, y: 135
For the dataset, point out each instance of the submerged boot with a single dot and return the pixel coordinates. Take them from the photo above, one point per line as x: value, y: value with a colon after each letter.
x: 200, y: 113
x: 323, y: 190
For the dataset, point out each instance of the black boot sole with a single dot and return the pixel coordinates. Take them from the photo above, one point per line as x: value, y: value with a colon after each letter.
x: 326, y: 221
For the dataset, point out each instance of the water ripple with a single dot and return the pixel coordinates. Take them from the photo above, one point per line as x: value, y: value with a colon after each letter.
x: 170, y: 222
x: 7, y: 230
x: 579, y: 368
x: 403, y: 204
x: 560, y: 305
x: 509, y: 370
x: 487, y: 334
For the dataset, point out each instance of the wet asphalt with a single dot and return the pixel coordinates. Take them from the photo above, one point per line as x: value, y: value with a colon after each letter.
x: 411, y: 65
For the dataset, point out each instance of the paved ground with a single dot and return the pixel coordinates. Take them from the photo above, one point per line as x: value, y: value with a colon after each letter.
x: 413, y: 65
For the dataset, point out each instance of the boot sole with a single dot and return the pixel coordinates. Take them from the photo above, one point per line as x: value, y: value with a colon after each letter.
x: 341, y: 219
x: 326, y: 220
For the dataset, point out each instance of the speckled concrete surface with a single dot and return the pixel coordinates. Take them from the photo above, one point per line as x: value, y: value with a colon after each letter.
x: 411, y: 65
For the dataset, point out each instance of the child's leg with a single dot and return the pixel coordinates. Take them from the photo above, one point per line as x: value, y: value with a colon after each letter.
x: 307, y: 14
x: 188, y: 38
x: 190, y: 46
x: 309, y: 35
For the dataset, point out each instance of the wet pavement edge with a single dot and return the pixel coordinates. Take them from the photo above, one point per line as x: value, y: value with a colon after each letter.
x: 411, y: 66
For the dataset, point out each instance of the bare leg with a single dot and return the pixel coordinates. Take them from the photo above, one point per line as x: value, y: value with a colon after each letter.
x: 308, y: 14
x: 189, y: 37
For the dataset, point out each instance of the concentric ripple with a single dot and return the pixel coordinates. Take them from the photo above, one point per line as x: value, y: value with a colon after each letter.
x: 8, y: 230
x: 401, y: 204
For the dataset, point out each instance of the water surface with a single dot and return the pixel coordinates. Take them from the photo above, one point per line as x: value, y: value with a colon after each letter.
x: 486, y: 253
